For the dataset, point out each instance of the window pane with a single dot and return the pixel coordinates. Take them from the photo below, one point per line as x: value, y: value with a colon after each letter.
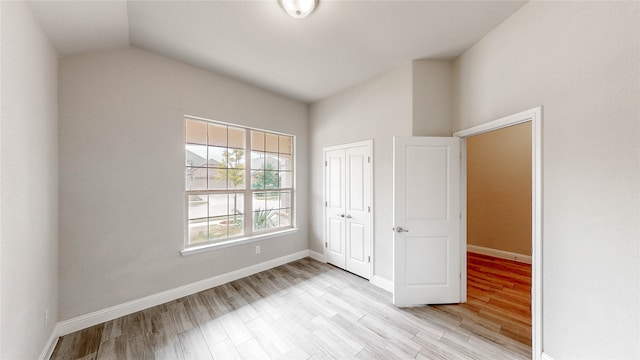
x: 285, y: 199
x: 257, y: 140
x: 217, y: 157
x: 285, y: 144
x: 196, y: 178
x: 257, y: 179
x: 197, y: 206
x: 270, y: 179
x: 234, y: 158
x: 259, y: 201
x: 257, y: 160
x: 198, y: 231
x: 236, y: 178
x: 285, y: 162
x: 285, y: 217
x: 273, y: 219
x: 236, y: 225
x: 264, y: 219
x: 217, y: 135
x: 285, y: 179
x: 236, y: 204
x: 271, y: 143
x: 196, y: 155
x: 271, y: 161
x: 196, y: 132
x: 272, y: 200
x: 218, y: 227
x: 217, y: 179
x: 236, y: 138
x: 218, y: 204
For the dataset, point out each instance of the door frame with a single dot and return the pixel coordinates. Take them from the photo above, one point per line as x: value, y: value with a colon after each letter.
x: 533, y: 115
x: 326, y: 149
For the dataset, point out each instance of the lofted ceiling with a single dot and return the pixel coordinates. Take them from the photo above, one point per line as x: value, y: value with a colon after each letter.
x: 339, y: 45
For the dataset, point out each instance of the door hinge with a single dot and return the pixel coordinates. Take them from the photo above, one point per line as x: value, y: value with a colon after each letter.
x: 326, y: 204
x: 325, y: 163
x: 369, y: 159
x: 326, y: 244
x: 369, y: 259
x: 369, y: 208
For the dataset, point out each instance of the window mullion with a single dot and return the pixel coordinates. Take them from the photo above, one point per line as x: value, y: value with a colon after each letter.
x: 248, y: 196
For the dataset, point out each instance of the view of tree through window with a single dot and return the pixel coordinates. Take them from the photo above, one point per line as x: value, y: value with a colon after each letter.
x: 226, y: 196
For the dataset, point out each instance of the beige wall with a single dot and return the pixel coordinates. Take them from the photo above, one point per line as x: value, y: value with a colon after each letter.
x: 29, y: 185
x: 580, y: 61
x: 499, y: 189
x: 121, y: 174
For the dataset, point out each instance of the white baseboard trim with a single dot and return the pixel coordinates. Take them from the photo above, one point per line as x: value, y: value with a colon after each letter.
x: 317, y: 256
x: 47, y: 351
x: 499, y: 253
x: 545, y: 356
x: 382, y: 283
x: 100, y: 316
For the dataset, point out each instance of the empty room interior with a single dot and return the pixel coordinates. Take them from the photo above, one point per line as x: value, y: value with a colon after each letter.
x: 320, y: 179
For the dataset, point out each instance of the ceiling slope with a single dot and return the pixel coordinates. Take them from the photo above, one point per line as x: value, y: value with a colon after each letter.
x: 339, y: 45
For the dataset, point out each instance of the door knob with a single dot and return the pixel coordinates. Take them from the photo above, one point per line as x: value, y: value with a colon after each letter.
x: 348, y: 216
x: 399, y: 229
x: 341, y: 215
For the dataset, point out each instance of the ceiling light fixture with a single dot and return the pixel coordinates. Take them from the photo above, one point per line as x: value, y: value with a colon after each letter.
x: 298, y: 8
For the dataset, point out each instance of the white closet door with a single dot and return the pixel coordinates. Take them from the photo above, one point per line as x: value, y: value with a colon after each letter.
x: 357, y: 214
x: 335, y: 207
x: 348, y: 237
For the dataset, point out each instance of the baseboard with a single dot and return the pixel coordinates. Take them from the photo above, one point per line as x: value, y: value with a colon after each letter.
x: 499, y: 253
x: 317, y: 256
x: 382, y: 283
x: 100, y: 316
x: 47, y: 351
x: 545, y: 356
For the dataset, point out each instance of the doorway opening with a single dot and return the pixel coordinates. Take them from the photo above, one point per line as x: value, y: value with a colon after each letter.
x: 499, y: 229
x: 533, y: 119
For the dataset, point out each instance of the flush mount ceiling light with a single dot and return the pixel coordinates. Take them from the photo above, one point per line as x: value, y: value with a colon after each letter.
x: 298, y: 8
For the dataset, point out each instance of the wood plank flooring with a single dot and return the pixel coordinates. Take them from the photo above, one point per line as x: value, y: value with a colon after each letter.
x: 310, y: 310
x: 498, y: 296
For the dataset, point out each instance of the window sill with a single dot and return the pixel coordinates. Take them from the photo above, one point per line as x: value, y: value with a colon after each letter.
x: 235, y: 242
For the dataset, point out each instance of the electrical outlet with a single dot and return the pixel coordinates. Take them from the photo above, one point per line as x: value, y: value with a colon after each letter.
x: 46, y: 316
x: 257, y: 249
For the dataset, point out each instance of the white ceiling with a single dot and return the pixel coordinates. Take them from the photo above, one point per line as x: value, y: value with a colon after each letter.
x: 339, y: 45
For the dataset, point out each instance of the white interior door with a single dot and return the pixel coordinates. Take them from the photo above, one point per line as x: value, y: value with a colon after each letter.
x: 335, y: 207
x: 357, y: 212
x: 426, y: 218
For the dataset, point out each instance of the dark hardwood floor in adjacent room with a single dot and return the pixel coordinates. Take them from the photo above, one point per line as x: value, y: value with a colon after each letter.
x: 310, y: 310
x: 498, y: 297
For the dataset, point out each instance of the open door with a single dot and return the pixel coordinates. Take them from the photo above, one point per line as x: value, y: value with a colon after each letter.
x: 426, y: 218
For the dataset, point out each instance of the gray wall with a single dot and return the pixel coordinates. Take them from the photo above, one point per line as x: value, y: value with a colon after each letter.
x: 377, y: 109
x: 29, y: 185
x: 402, y: 102
x: 580, y: 61
x: 432, y: 98
x: 121, y: 174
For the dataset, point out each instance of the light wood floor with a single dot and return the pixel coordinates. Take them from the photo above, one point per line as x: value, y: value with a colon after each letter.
x: 310, y: 310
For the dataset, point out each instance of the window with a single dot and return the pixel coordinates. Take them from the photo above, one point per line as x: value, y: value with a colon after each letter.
x: 239, y: 182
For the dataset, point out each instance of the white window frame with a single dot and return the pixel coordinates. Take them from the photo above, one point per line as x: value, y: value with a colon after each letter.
x: 249, y: 234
